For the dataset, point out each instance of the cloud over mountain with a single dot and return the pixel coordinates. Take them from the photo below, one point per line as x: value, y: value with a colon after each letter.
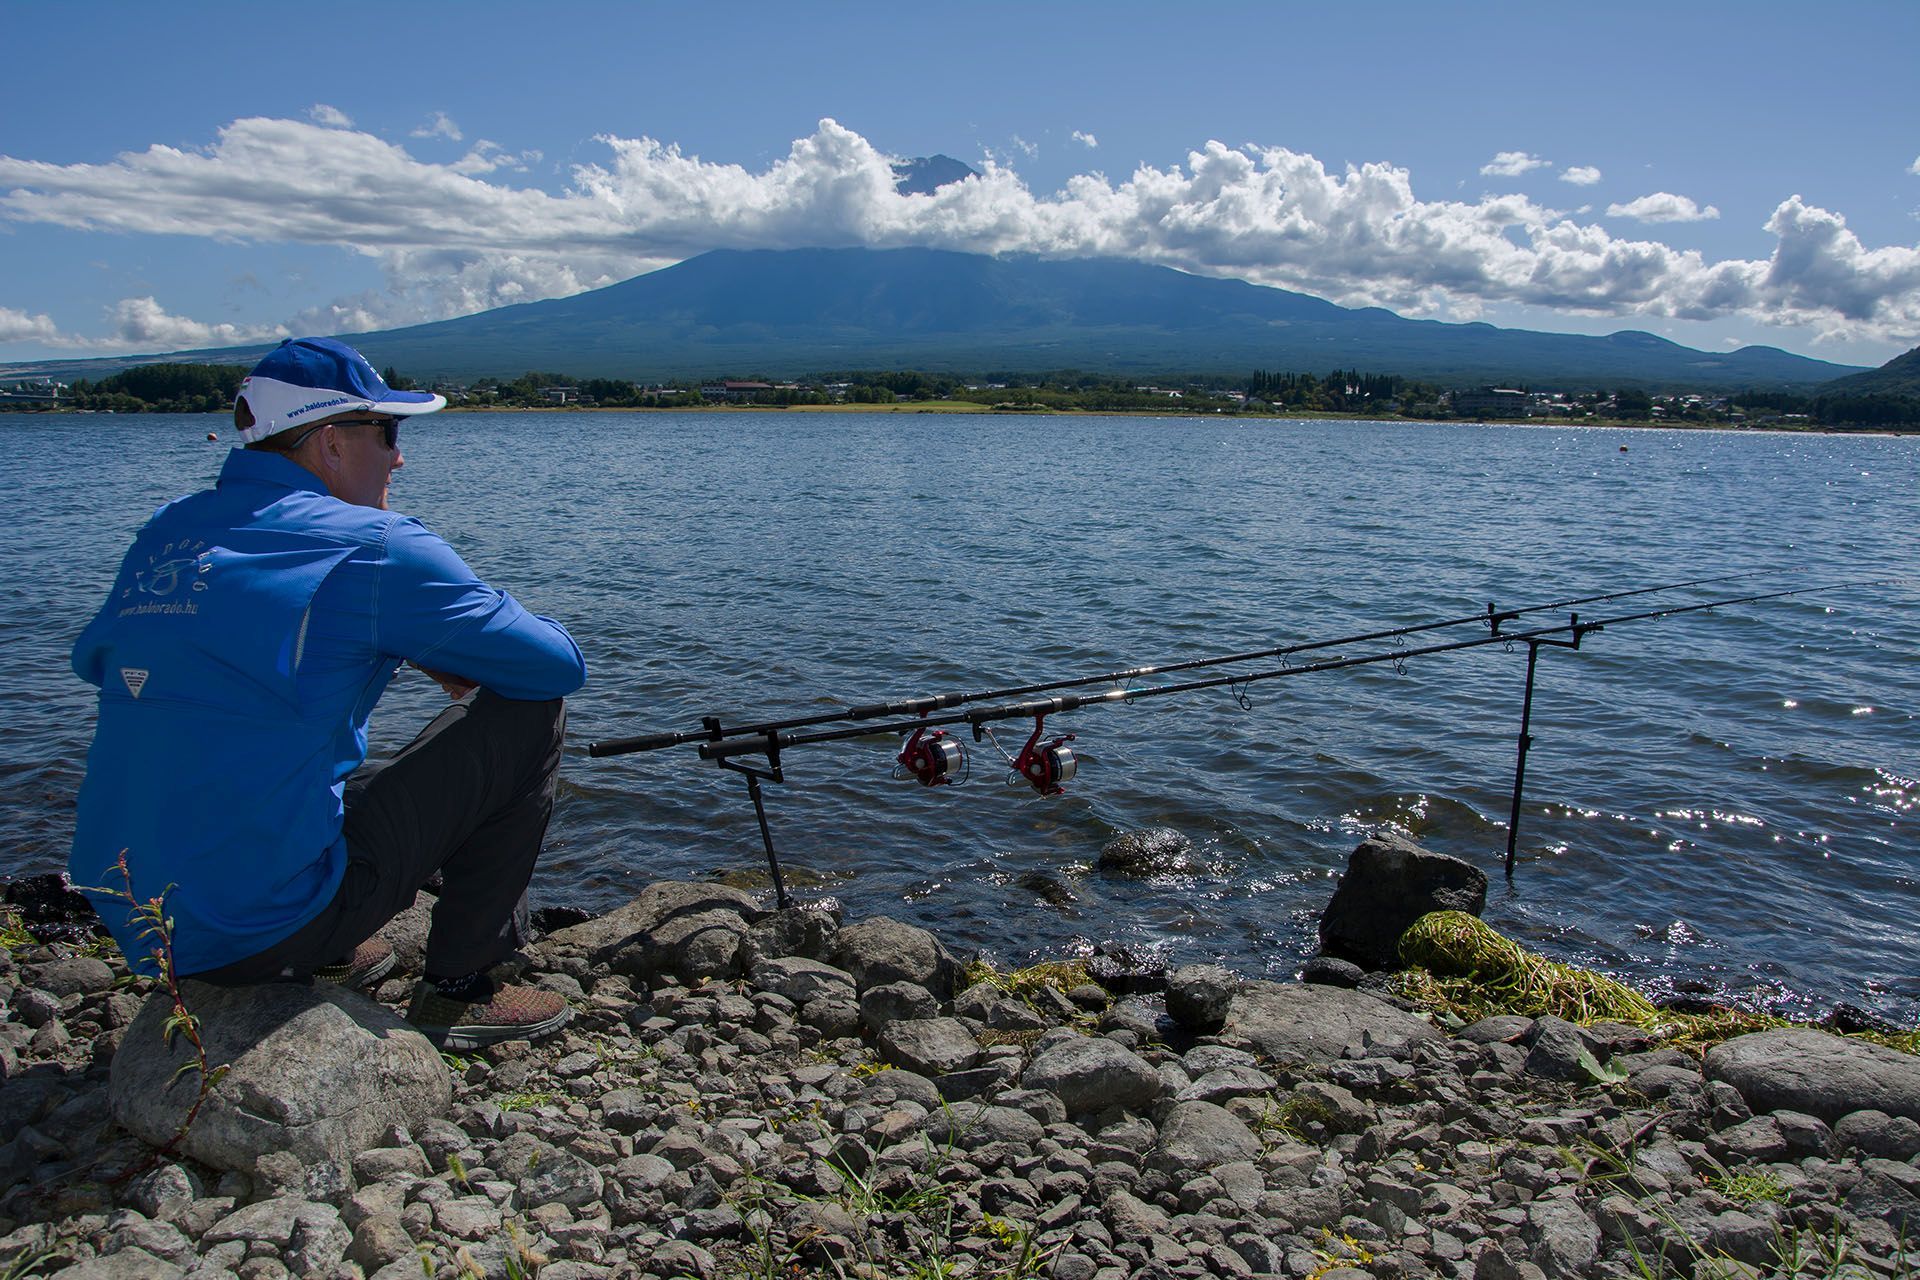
x: 459, y: 237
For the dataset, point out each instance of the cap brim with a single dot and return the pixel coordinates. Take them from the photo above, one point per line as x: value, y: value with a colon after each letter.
x: 405, y: 403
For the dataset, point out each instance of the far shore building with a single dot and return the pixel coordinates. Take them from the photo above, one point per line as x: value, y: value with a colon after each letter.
x: 1493, y: 402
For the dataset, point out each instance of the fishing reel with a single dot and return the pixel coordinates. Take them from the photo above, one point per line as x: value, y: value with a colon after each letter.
x: 1045, y: 765
x: 932, y: 759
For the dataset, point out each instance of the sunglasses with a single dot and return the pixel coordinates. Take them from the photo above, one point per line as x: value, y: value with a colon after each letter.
x: 390, y: 429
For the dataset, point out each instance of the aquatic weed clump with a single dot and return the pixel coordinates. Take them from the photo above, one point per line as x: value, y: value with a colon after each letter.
x: 1477, y: 972
x: 1462, y: 970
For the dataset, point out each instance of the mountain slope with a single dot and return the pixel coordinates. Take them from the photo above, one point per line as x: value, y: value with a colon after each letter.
x: 1899, y: 376
x: 809, y: 310
x: 805, y: 311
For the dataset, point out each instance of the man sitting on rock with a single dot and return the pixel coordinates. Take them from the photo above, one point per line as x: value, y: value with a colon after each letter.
x: 249, y: 633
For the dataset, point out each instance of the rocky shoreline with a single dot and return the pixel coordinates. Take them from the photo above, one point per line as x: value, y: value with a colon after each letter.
x: 744, y: 1092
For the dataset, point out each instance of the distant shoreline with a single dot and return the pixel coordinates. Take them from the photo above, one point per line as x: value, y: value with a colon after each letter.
x: 950, y: 408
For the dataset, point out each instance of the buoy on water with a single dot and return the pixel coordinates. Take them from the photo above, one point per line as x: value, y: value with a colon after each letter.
x: 1623, y: 448
x: 213, y: 435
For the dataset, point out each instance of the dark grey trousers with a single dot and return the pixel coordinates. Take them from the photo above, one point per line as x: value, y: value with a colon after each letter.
x: 468, y: 798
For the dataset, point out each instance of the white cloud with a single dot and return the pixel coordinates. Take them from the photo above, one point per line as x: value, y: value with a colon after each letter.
x: 143, y: 322
x: 438, y: 125
x: 1511, y: 164
x: 1662, y: 206
x: 329, y: 117
x: 456, y: 238
x: 18, y: 326
x: 485, y: 157
x: 1581, y: 175
x: 1089, y: 141
x: 1029, y: 149
x: 1914, y: 168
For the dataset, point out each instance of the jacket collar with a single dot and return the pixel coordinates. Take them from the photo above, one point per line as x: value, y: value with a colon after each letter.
x: 257, y: 466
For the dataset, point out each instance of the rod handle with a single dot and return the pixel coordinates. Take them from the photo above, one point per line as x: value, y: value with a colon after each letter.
x: 645, y: 742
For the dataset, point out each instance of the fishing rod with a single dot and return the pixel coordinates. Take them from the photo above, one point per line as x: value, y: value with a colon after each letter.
x: 712, y: 729
x: 936, y: 759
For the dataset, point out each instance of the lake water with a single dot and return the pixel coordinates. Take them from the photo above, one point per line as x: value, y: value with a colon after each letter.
x: 1724, y: 799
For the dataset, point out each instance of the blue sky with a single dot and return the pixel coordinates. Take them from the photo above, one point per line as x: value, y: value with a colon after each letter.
x: 1722, y: 174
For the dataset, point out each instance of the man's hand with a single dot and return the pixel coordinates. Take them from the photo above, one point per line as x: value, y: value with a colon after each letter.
x: 457, y: 687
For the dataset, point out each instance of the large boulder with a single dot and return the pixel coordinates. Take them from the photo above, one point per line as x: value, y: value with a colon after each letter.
x: 1093, y: 1073
x: 1816, y: 1073
x: 882, y: 950
x: 1390, y: 883
x: 318, y: 1071
x: 679, y: 927
x: 1297, y: 1022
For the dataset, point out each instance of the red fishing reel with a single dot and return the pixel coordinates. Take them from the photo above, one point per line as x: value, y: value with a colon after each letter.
x: 1045, y: 765
x: 933, y: 759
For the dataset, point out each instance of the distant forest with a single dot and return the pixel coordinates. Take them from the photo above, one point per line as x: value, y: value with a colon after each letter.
x: 197, y: 388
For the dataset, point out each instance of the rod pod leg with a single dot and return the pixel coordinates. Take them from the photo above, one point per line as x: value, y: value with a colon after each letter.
x: 1520, y: 760
x: 766, y: 839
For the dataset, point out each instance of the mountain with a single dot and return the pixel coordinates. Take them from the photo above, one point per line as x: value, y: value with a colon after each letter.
x: 926, y: 174
x: 1899, y: 376
x: 735, y: 313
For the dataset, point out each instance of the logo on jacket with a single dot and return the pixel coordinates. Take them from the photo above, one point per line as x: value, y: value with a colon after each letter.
x: 136, y: 678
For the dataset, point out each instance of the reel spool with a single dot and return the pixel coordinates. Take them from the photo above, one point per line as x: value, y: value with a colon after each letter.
x: 1045, y: 765
x: 932, y: 759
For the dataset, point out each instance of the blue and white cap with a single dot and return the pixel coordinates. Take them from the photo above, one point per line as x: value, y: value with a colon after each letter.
x: 305, y: 380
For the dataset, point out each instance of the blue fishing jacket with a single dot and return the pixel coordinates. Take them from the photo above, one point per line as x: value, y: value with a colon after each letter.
x: 249, y: 633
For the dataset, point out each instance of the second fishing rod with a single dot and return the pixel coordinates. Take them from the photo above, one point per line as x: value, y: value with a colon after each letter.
x: 713, y: 730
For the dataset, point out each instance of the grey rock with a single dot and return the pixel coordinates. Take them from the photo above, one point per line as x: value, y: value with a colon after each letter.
x: 807, y: 930
x: 378, y: 1163
x: 973, y: 1123
x: 832, y: 1016
x: 161, y: 1239
x: 1295, y: 1023
x: 1875, y: 1133
x: 127, y: 1264
x: 683, y: 1258
x: 1223, y: 1084
x: 562, y: 1179
x: 1556, y: 1049
x: 1390, y: 883
x: 1755, y: 1141
x: 408, y: 933
x: 1503, y: 1028
x: 1742, y: 1236
x: 1198, y: 995
x: 1332, y: 971
x: 1889, y: 1191
x: 467, y: 1217
x: 1820, y: 1074
x: 317, y: 1071
x: 800, y: 979
x: 1152, y: 852
x: 379, y: 1240
x: 894, y: 1001
x: 673, y: 927
x: 628, y: 1110
x: 881, y: 950
x: 1198, y: 1136
x: 1805, y: 1135
x: 77, y: 976
x: 1332, y: 1106
x: 309, y: 1237
x: 929, y: 1046
x: 987, y: 1004
x: 165, y: 1192
x: 1090, y: 1074
x: 1565, y: 1241
x: 1131, y: 1218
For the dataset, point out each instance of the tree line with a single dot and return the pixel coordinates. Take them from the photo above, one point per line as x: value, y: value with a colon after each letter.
x: 205, y: 388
